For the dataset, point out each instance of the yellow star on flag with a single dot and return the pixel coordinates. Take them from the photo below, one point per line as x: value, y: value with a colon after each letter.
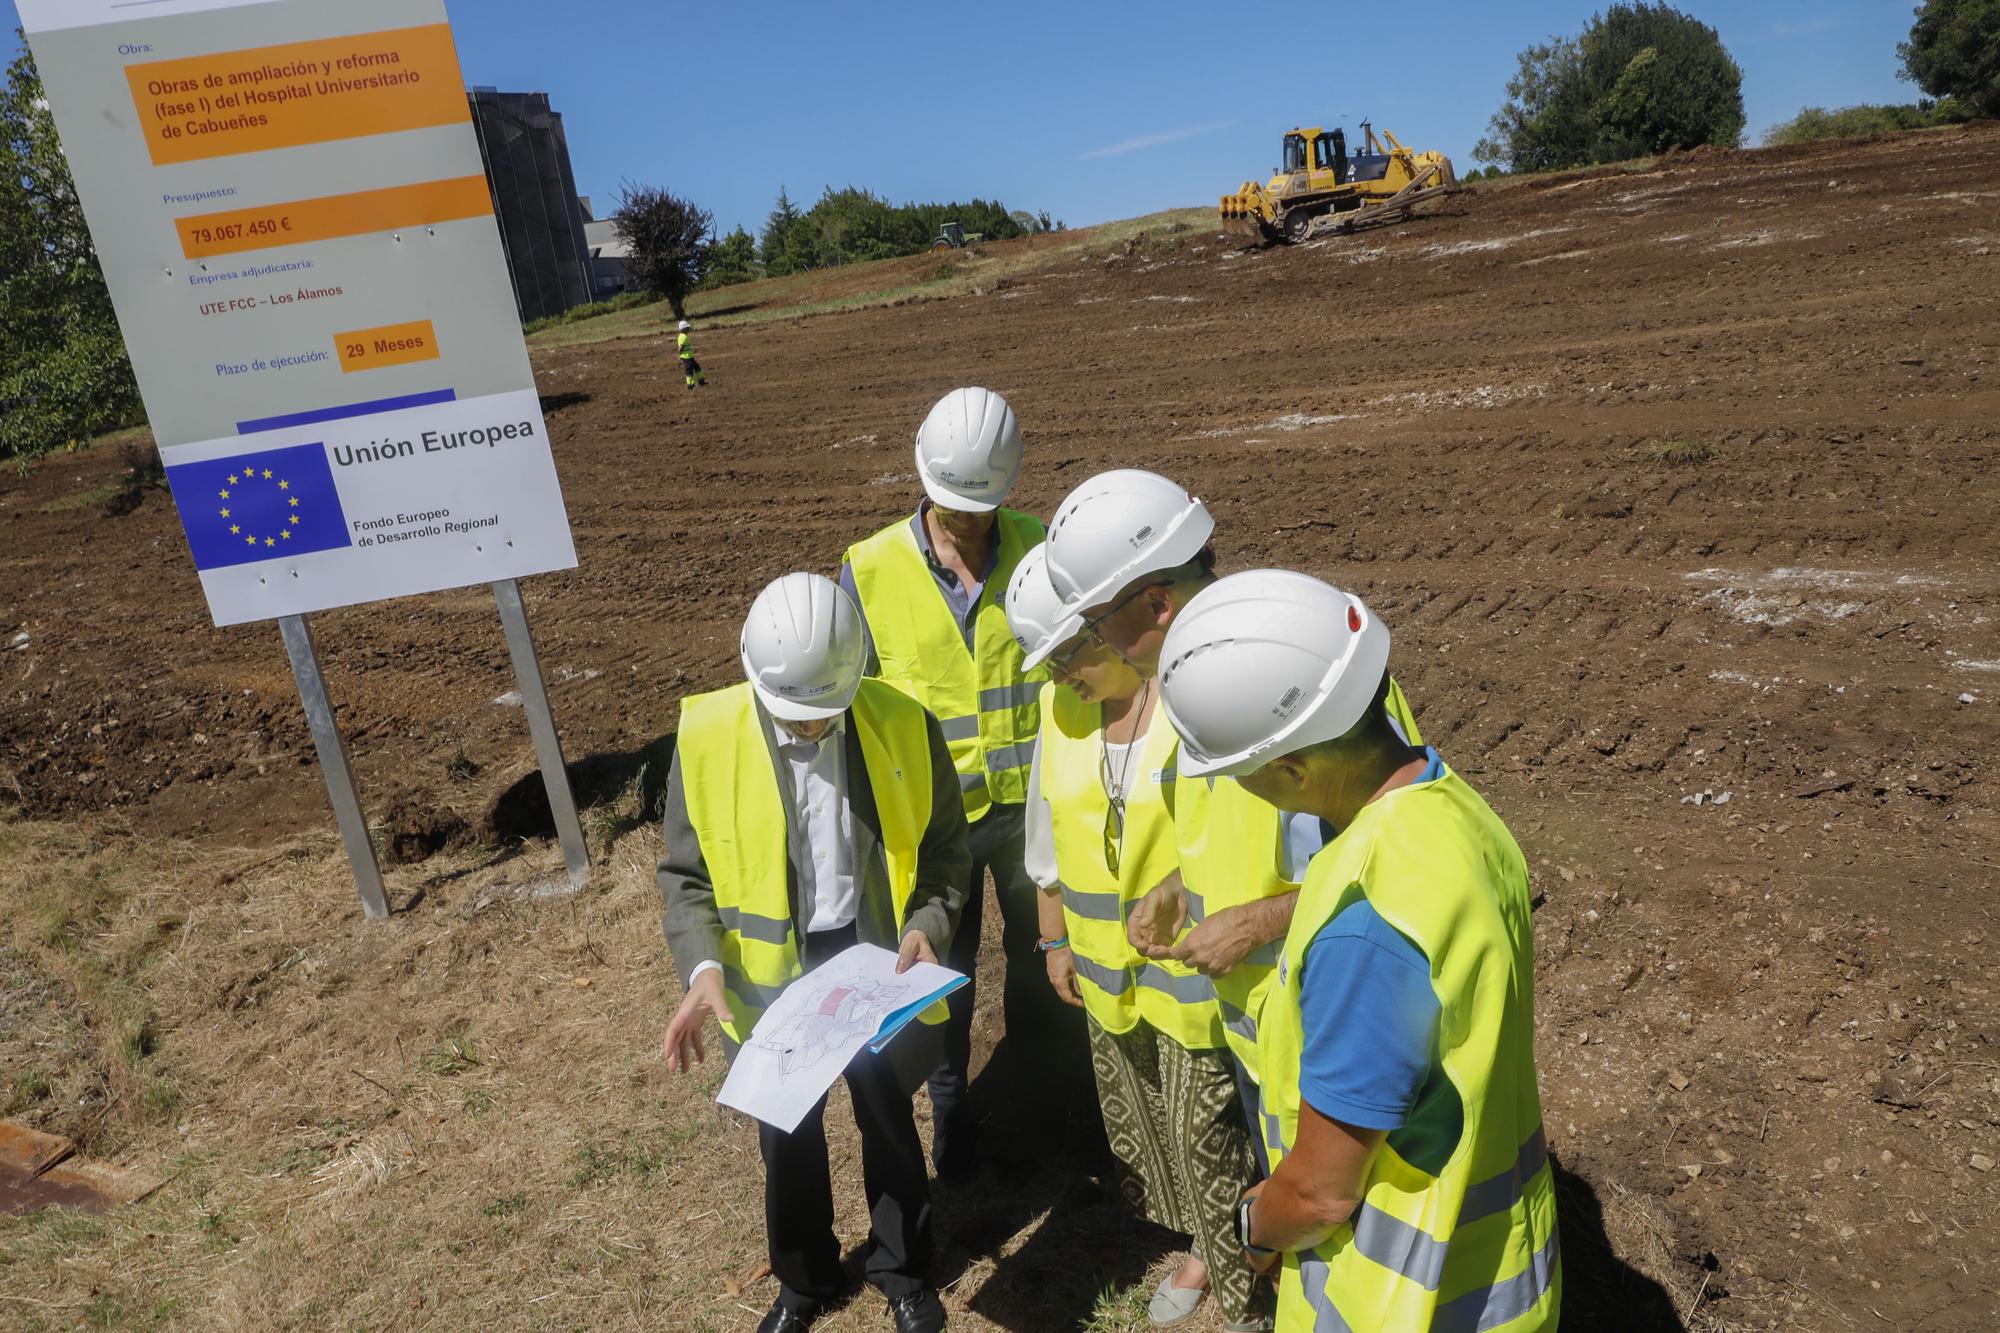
x: 270, y: 541
x: 286, y: 533
x: 285, y: 486
x: 225, y: 494
x: 225, y: 513
x: 251, y: 540
x: 267, y: 474
x: 232, y: 479
x: 234, y: 529
x: 295, y: 502
x: 295, y: 518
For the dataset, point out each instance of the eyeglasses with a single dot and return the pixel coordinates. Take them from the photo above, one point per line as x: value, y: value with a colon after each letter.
x: 1114, y: 832
x: 1061, y: 661
x: 1090, y: 626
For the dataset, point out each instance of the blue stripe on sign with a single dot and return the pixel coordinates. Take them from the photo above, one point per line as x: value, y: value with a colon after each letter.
x: 346, y: 410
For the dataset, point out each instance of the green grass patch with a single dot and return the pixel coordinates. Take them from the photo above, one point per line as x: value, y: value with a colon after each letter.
x: 969, y: 271
x: 450, y: 1057
x: 505, y: 1206
x: 1680, y: 453
x: 576, y: 314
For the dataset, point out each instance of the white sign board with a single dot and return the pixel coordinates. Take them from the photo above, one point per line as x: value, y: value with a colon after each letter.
x: 289, y: 205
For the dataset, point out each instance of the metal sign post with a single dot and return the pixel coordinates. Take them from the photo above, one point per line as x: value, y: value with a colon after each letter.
x: 542, y: 726
x: 340, y: 786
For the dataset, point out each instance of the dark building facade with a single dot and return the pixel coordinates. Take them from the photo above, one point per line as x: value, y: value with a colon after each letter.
x: 534, y: 196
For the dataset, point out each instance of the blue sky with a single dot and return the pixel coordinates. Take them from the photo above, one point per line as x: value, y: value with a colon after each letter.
x: 1090, y: 111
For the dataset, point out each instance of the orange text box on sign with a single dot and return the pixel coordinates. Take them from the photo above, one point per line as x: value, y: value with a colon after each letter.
x: 390, y: 345
x: 314, y: 91
x: 332, y: 216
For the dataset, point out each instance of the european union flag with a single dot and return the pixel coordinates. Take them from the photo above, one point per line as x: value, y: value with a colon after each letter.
x: 261, y: 506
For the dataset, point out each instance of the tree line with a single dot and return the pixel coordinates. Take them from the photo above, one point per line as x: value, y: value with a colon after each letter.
x: 672, y: 248
x: 1642, y: 78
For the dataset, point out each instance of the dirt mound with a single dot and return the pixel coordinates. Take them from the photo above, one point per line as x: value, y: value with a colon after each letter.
x: 1676, y: 487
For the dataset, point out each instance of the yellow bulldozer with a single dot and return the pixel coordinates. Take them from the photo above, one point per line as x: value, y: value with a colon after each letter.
x: 1323, y: 188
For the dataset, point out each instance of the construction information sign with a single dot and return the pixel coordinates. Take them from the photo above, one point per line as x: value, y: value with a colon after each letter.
x: 288, y: 201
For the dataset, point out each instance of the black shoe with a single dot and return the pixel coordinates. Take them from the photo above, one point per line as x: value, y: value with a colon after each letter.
x: 917, y: 1311
x: 784, y: 1319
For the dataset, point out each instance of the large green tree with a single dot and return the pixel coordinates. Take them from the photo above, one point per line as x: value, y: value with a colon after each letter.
x: 666, y: 240
x: 64, y: 376
x: 1954, y: 51
x: 1640, y: 78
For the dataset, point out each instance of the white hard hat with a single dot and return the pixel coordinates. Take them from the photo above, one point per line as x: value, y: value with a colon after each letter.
x: 969, y: 451
x: 1264, y: 663
x: 803, y: 647
x: 1117, y: 527
x: 1034, y: 611
x: 685, y: 326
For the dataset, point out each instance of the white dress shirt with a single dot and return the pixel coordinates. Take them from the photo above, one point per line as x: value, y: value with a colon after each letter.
x: 812, y: 783
x: 813, y: 779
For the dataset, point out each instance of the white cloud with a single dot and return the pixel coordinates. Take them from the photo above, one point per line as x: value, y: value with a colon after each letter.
x: 1155, y: 140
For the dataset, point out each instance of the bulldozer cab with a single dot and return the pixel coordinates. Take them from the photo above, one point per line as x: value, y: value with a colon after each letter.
x: 1318, y: 155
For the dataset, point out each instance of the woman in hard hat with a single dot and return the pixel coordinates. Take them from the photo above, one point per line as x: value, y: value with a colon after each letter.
x: 1099, y: 836
x: 1412, y: 1185
x: 1127, y: 551
x: 807, y: 810
x: 690, y: 368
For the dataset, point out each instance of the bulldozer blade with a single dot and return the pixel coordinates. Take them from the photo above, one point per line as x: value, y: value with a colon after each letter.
x: 1245, y: 228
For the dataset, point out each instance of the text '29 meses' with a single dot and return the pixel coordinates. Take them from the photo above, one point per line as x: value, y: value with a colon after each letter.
x: 430, y: 442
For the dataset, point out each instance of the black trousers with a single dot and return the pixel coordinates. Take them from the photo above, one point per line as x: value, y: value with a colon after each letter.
x: 1042, y: 1031
x: 798, y: 1185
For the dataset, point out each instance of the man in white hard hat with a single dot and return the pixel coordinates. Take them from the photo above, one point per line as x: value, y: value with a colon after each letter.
x: 1412, y: 1187
x: 1127, y: 550
x: 809, y: 809
x: 690, y: 368
x: 931, y: 588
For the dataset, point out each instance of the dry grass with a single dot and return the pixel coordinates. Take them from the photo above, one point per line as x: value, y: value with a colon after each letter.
x: 453, y: 1119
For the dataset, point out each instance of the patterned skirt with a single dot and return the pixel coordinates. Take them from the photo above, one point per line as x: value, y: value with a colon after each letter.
x: 1176, y: 1125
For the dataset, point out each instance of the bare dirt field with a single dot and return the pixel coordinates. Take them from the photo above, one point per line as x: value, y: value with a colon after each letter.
x: 1676, y: 486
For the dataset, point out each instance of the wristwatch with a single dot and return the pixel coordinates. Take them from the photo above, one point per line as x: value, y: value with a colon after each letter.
x: 1243, y: 1228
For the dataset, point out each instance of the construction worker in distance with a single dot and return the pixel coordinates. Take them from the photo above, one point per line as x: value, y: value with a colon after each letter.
x: 809, y: 809
x: 690, y: 368
x: 1099, y: 836
x: 1127, y: 550
x: 930, y: 587
x: 1412, y: 1188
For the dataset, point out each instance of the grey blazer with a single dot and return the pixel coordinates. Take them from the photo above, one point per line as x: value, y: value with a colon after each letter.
x: 944, y: 863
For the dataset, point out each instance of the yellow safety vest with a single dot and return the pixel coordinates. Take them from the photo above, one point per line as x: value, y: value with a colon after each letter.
x: 729, y: 771
x: 1120, y: 986
x: 985, y: 700
x: 1231, y: 847
x: 684, y: 345
x: 1473, y: 1247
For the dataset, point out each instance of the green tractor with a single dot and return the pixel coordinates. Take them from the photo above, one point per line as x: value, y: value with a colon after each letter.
x: 953, y: 236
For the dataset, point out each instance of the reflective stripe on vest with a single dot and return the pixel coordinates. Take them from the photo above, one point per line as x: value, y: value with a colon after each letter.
x: 1231, y: 847
x: 1472, y: 1248
x: 729, y: 771
x: 1120, y: 987
x: 983, y: 697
